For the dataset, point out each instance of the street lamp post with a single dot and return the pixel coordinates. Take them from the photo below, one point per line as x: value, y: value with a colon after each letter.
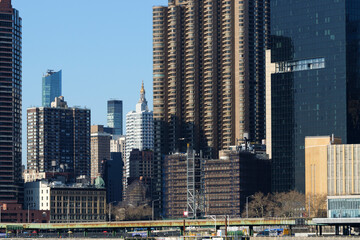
x: 247, y: 205
x: 28, y: 212
x: 152, y: 205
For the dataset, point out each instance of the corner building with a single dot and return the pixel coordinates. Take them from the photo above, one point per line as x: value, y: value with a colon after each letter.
x: 11, y: 190
x: 208, y: 75
x: 315, y: 82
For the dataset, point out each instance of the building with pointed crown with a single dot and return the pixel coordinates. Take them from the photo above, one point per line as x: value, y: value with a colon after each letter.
x: 139, y: 129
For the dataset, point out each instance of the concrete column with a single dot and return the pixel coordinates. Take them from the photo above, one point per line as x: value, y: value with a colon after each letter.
x: 251, y: 231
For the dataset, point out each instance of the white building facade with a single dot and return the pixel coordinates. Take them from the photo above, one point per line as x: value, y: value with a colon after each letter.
x: 37, y: 195
x: 139, y: 129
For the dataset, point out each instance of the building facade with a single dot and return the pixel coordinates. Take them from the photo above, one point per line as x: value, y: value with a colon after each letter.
x: 332, y: 168
x: 118, y: 144
x: 221, y: 185
x: 314, y: 49
x: 139, y: 129
x: 15, y: 213
x: 114, y: 178
x: 33, y: 176
x: 141, y: 166
x: 208, y: 75
x: 67, y: 203
x: 58, y: 139
x: 51, y: 87
x: 115, y: 116
x: 232, y: 178
x: 100, y: 151
x: 11, y: 190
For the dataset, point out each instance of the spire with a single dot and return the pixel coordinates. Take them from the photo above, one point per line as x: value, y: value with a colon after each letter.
x: 142, y: 104
x: 142, y: 91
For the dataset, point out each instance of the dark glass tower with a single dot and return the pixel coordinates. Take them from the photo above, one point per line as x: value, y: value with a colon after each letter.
x: 10, y: 104
x: 115, y: 116
x: 315, y: 88
x: 51, y: 87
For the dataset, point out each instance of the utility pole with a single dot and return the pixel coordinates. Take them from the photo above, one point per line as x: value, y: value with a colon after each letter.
x: 226, y: 226
x: 153, y: 209
x: 309, y: 206
x: 110, y: 212
x: 67, y: 212
x: 247, y: 205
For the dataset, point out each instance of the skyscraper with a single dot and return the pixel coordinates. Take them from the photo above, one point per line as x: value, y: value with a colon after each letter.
x: 51, y: 87
x: 58, y: 139
x: 100, y: 151
x: 115, y: 116
x: 139, y: 129
x: 114, y: 178
x: 10, y: 104
x: 314, y: 82
x: 208, y: 75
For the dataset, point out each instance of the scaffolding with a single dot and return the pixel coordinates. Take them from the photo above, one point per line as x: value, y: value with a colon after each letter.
x: 195, y: 186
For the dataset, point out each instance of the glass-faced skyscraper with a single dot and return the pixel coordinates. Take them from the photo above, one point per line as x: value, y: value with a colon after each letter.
x: 10, y: 104
x: 315, y: 82
x: 51, y: 87
x: 115, y: 116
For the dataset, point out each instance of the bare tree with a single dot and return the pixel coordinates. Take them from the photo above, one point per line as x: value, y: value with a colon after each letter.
x: 289, y: 204
x: 259, y: 206
x: 317, y: 204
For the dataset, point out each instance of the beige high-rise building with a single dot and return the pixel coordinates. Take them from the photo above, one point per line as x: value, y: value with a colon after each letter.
x: 100, y: 150
x: 208, y: 75
x: 331, y: 168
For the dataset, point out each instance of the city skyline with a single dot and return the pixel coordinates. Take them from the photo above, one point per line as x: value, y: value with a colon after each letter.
x: 70, y: 44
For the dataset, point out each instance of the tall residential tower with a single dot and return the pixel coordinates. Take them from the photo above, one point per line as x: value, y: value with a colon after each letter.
x: 208, y: 75
x: 58, y: 139
x: 51, y: 87
x: 10, y: 104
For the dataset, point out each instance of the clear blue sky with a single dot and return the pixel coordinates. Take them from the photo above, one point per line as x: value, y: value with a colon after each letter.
x: 104, y: 48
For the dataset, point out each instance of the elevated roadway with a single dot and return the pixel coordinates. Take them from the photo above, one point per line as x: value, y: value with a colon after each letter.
x: 156, y: 224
